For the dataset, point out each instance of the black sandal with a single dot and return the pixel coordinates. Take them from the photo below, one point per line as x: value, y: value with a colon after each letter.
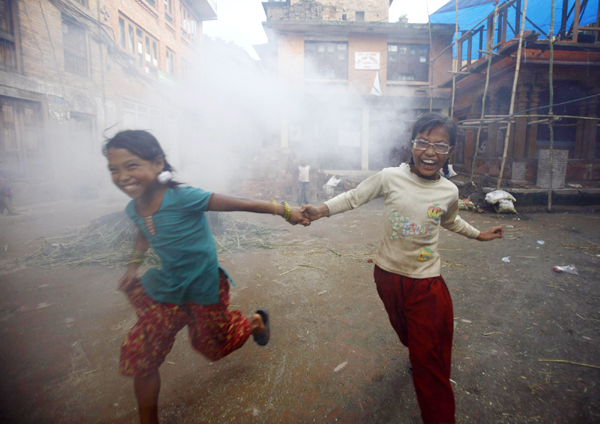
x: 263, y: 338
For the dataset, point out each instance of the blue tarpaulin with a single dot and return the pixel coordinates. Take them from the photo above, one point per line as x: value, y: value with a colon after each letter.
x: 538, y: 11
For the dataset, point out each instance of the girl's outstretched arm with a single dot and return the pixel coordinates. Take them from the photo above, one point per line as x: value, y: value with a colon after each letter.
x: 491, y: 234
x: 140, y: 246
x: 223, y: 203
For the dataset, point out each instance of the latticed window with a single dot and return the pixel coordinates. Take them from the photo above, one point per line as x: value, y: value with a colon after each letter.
x: 408, y: 62
x: 325, y: 60
x: 170, y: 62
x: 140, y: 45
x: 189, y: 24
x: 8, y: 51
x: 169, y: 10
x: 74, y: 47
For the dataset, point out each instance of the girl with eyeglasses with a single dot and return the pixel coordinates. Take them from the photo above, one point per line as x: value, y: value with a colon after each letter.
x: 417, y: 201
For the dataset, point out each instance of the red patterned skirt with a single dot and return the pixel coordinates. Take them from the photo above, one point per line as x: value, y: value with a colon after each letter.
x: 215, y: 332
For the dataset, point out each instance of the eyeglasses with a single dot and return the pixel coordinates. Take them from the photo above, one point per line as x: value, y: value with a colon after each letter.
x: 440, y: 148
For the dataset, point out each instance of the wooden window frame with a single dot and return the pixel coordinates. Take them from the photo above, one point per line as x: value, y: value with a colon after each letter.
x: 122, y: 33
x: 322, y: 67
x: 145, y: 49
x: 400, y: 66
x: 187, y: 70
x: 79, y: 55
x: 170, y: 60
x: 9, y: 41
x: 169, y: 12
x: 77, y: 117
x: 188, y: 23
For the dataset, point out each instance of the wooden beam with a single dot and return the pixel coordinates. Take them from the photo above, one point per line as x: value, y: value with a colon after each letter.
x: 512, y: 99
x: 576, y: 21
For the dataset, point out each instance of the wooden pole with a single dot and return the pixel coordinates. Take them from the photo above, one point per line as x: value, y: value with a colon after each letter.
x: 430, y: 61
x: 485, y: 90
x: 514, y: 91
x: 551, y: 101
x: 455, y: 64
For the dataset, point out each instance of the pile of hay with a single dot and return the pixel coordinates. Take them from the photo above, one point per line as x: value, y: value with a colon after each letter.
x: 109, y: 240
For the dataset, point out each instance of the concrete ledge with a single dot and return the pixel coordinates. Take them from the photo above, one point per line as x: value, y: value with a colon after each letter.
x: 561, y: 196
x: 526, y: 191
x: 565, y: 191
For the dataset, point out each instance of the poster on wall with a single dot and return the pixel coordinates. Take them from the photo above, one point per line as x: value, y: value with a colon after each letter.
x: 366, y: 61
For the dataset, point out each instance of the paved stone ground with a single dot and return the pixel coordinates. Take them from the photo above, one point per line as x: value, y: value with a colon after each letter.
x: 333, y: 355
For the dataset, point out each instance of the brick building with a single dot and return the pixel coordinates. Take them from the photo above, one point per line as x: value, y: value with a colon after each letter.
x: 356, y: 80
x: 72, y: 68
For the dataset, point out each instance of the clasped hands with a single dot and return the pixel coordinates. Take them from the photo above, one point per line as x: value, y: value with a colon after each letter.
x: 306, y: 214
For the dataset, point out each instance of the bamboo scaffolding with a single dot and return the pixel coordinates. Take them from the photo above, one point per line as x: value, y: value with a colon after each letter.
x: 551, y: 101
x: 513, y: 94
x: 430, y: 61
x: 485, y: 89
x: 505, y: 5
x: 455, y: 64
x: 493, y: 119
x: 510, y: 119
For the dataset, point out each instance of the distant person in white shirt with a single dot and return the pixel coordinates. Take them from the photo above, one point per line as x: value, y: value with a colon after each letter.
x: 303, y: 179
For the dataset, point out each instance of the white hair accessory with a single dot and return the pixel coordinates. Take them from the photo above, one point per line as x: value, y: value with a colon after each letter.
x: 165, y: 176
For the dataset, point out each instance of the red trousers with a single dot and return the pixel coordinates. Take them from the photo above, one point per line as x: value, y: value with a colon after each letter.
x: 420, y: 310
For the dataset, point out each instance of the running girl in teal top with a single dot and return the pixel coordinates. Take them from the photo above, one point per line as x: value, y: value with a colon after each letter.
x: 190, y: 288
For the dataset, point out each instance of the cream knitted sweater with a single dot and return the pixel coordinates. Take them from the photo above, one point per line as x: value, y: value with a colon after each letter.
x: 413, y: 210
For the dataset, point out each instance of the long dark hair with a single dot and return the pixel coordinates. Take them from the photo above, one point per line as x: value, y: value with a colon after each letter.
x: 432, y: 120
x: 143, y: 144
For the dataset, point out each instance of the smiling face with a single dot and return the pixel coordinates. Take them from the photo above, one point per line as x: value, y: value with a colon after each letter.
x: 427, y: 163
x: 132, y: 174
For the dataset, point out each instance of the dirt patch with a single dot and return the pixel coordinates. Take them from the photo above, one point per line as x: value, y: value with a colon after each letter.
x: 333, y: 355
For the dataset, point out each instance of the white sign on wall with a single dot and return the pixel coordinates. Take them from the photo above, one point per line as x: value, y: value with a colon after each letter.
x: 366, y: 61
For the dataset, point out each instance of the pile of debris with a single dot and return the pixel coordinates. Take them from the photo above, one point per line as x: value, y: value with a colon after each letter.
x: 234, y: 235
x: 273, y: 174
x: 108, y: 241
x: 270, y: 176
x: 333, y: 185
x: 502, y: 201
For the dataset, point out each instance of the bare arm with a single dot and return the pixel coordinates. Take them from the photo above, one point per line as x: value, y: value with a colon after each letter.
x: 140, y: 246
x: 491, y: 234
x: 223, y: 203
x: 451, y: 221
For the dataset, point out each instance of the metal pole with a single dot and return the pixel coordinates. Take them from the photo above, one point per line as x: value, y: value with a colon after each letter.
x: 512, y: 97
x: 551, y: 101
x: 485, y: 90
